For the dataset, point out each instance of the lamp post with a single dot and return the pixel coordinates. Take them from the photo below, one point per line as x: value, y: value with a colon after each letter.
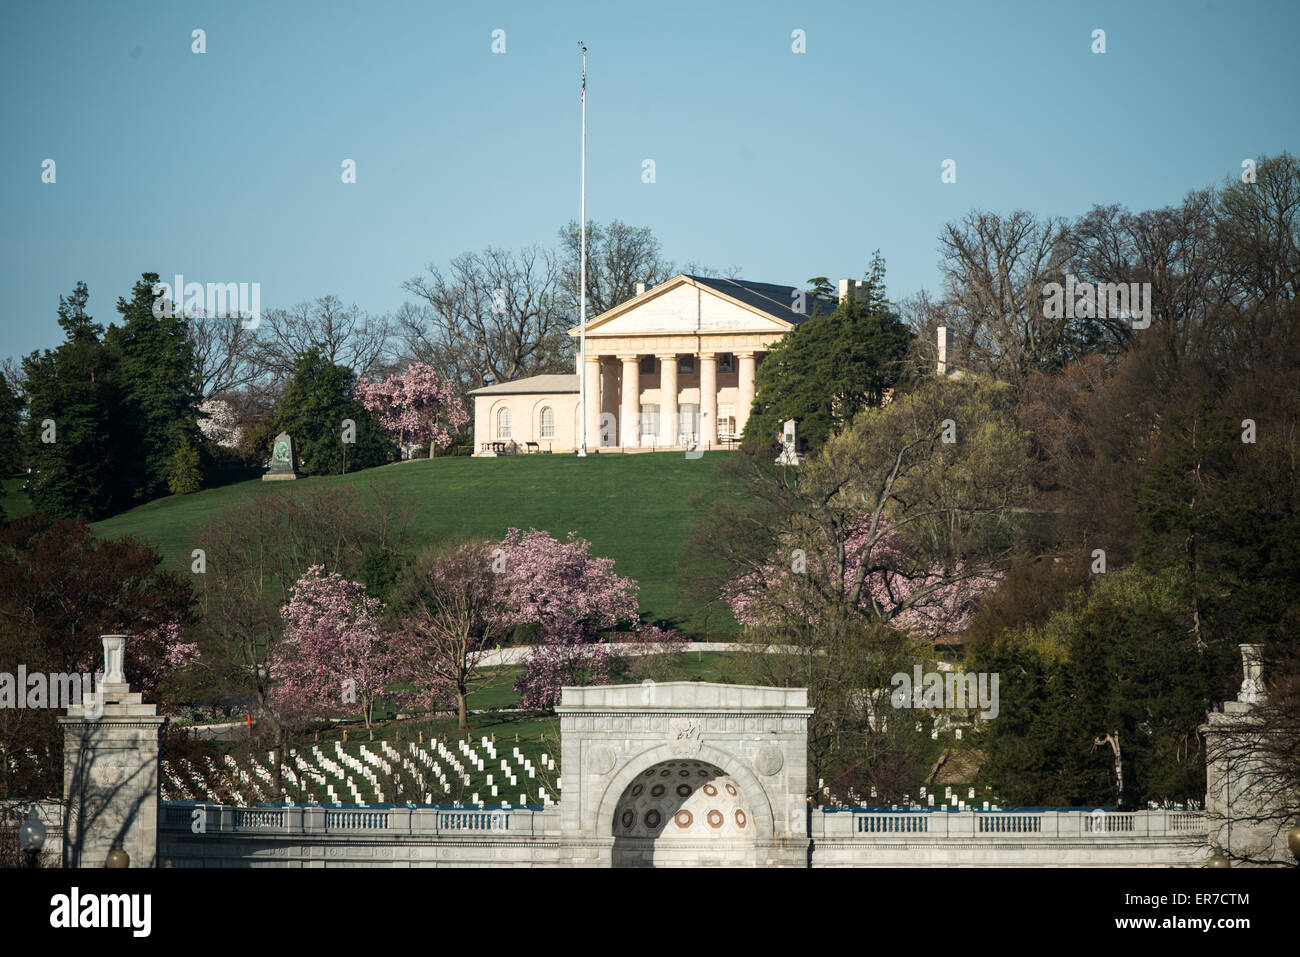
x: 1293, y: 843
x: 1218, y: 860
x: 31, y: 837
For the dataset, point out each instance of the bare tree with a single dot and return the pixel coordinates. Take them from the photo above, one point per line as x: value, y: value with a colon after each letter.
x: 492, y: 313
x: 447, y: 606
x: 618, y: 257
x: 345, y: 335
x: 225, y: 354
x: 995, y: 270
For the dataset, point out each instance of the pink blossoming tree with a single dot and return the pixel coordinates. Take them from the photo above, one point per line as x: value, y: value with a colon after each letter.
x: 417, y: 405
x: 877, y: 568
x: 571, y: 596
x: 334, y: 651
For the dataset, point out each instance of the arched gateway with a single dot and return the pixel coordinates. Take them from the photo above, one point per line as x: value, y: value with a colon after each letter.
x: 686, y: 773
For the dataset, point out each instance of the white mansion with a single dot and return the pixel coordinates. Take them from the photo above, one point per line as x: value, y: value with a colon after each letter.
x: 673, y: 367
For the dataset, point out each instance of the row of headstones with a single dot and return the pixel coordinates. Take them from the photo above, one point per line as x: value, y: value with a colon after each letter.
x: 250, y: 782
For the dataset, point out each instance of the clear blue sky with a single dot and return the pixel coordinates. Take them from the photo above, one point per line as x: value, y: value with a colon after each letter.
x: 226, y: 166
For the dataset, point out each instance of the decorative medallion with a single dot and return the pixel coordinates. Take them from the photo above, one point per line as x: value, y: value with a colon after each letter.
x: 740, y: 818
x: 637, y: 789
x: 716, y: 818
x: 769, y: 759
x: 710, y: 790
x: 657, y: 790
x: 683, y: 819
x: 652, y: 819
x: 683, y: 790
x: 629, y: 818
x: 601, y: 759
x: 731, y: 789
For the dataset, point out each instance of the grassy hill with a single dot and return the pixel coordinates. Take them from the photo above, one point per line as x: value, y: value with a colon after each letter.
x: 633, y: 508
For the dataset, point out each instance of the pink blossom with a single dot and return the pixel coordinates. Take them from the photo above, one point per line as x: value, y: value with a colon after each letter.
x: 571, y: 596
x: 930, y: 602
x: 416, y: 404
x: 334, y: 651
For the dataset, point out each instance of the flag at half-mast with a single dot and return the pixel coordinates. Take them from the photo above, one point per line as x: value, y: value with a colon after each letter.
x: 584, y: 84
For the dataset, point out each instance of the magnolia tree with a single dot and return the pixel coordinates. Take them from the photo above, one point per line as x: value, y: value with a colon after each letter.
x: 334, y: 651
x: 219, y: 424
x: 896, y: 586
x: 571, y: 596
x: 417, y: 405
x: 449, y: 606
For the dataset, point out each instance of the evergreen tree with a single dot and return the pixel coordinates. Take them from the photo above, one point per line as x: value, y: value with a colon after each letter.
x: 313, y: 410
x: 155, y: 355
x: 74, y: 420
x: 183, y: 473
x: 830, y: 367
x: 11, y: 411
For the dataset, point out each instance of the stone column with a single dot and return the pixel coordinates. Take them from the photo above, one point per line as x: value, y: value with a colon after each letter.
x: 629, y: 426
x: 708, y: 399
x: 608, y: 403
x: 668, y: 400
x: 110, y: 770
x: 745, y: 397
x: 1241, y: 802
x: 593, y: 402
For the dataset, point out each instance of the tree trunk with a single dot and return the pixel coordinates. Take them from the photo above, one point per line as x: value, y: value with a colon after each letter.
x: 460, y: 708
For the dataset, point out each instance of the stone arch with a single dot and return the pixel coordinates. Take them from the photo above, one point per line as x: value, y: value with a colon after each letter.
x: 683, y: 811
x: 494, y: 419
x: 760, y: 802
x: 535, y: 416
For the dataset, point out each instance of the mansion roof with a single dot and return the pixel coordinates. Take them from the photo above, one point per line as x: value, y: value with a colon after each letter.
x: 537, y: 384
x: 771, y: 298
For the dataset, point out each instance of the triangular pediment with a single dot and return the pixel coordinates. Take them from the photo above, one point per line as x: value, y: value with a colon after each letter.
x: 682, y: 306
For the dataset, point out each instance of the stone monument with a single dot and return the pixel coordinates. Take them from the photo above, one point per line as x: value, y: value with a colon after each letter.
x: 282, y: 464
x: 110, y: 770
x: 1246, y: 822
x: 789, y: 444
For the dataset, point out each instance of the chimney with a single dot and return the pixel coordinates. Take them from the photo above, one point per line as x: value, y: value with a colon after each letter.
x: 640, y: 288
x: 945, y: 350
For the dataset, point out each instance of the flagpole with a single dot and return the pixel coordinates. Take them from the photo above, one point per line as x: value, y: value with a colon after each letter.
x: 582, y: 272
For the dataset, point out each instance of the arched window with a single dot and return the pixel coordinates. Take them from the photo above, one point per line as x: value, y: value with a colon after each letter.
x: 503, y: 424
x: 546, y: 421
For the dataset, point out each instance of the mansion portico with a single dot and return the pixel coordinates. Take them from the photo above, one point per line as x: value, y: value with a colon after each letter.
x: 671, y: 368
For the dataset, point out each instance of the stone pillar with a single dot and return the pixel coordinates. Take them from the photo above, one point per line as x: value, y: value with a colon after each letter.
x: 745, y: 396
x: 708, y: 399
x: 608, y: 403
x: 1246, y: 823
x: 668, y: 400
x: 110, y: 770
x: 629, y: 426
x: 593, y: 402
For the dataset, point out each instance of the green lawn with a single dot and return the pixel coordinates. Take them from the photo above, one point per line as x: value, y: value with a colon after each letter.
x: 13, y: 499
x: 633, y: 508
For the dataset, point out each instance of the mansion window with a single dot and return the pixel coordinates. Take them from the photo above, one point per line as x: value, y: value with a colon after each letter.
x: 649, y: 420
x: 503, y: 424
x: 726, y: 363
x: 688, y: 417
x: 685, y: 365
x: 726, y: 418
x: 546, y: 423
x: 647, y: 365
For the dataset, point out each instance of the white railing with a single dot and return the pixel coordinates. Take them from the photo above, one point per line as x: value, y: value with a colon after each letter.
x: 321, y: 821
x: 1008, y: 826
